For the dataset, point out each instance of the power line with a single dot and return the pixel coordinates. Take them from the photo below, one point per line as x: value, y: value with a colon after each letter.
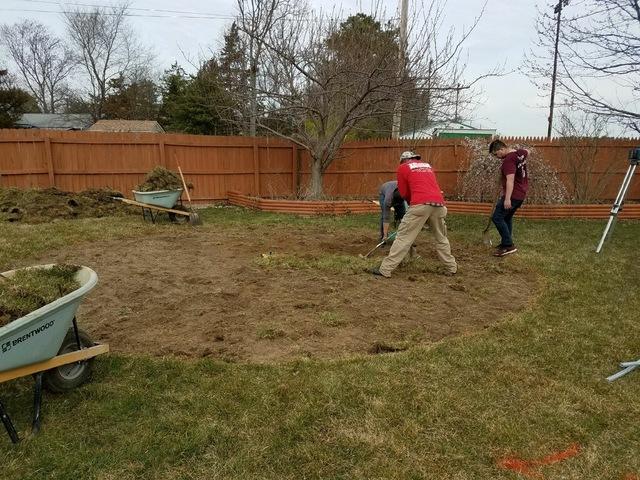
x: 160, y: 10
x: 108, y: 13
x: 181, y: 13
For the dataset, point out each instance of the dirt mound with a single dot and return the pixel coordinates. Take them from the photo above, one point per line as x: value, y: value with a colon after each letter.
x: 160, y: 179
x: 44, y: 205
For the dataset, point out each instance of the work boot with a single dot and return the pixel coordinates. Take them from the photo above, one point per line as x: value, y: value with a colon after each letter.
x: 375, y: 271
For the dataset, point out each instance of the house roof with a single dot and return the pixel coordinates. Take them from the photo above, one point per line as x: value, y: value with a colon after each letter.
x: 55, y: 121
x: 126, y: 126
x: 446, y: 127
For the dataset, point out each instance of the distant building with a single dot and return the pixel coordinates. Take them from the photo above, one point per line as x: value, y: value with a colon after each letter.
x: 450, y: 130
x: 138, y: 126
x: 55, y: 121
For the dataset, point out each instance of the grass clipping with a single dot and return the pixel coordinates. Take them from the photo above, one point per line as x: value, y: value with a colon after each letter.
x: 161, y: 179
x: 30, y: 289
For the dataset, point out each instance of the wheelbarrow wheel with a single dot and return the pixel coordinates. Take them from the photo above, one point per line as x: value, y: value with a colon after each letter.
x: 177, y: 218
x: 68, y: 377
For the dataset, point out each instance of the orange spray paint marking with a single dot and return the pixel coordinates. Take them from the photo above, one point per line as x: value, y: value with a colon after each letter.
x: 631, y: 476
x: 529, y: 468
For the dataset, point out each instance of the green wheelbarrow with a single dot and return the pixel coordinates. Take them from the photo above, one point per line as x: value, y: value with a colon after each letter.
x: 47, y: 344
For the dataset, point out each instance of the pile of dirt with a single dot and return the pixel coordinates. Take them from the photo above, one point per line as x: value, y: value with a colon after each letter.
x: 30, y: 289
x: 44, y: 205
x: 161, y: 179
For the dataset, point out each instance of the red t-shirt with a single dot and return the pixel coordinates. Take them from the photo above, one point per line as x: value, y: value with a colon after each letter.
x: 417, y: 183
x: 515, y: 163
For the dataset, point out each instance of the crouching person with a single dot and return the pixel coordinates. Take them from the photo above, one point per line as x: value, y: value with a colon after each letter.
x: 417, y: 184
x: 390, y: 198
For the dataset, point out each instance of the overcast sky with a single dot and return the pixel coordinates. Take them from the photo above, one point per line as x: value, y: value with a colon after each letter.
x: 510, y: 104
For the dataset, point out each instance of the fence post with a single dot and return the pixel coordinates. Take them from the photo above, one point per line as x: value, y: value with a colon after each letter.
x: 294, y: 169
x: 49, y: 156
x: 256, y: 167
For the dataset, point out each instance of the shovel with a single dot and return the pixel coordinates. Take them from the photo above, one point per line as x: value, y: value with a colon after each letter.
x: 486, y: 235
x: 390, y: 237
x: 194, y: 218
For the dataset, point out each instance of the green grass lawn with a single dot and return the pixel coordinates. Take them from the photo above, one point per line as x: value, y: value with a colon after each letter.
x: 529, y: 386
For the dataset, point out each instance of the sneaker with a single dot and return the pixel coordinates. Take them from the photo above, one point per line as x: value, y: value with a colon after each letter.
x: 501, y: 252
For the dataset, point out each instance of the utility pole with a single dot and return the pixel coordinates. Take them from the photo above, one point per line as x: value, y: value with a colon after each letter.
x: 397, y: 111
x: 456, y: 118
x: 557, y: 10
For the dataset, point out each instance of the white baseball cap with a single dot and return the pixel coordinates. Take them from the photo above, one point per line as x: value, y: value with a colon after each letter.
x: 409, y: 154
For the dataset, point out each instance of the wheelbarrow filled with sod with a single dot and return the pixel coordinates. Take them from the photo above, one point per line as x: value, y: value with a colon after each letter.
x: 161, y: 192
x: 39, y: 334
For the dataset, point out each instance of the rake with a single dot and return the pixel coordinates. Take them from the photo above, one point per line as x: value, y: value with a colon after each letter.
x: 390, y: 237
x: 194, y: 218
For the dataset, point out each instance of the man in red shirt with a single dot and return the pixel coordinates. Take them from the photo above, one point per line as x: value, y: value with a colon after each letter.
x: 417, y: 184
x: 515, y: 183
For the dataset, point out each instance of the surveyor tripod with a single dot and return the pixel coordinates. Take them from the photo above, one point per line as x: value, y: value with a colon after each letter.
x: 634, y: 161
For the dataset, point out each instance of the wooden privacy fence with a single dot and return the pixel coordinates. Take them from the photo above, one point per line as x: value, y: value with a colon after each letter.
x: 76, y: 161
x: 261, y: 166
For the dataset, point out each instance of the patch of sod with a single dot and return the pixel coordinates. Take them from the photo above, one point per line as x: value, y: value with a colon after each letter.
x: 29, y: 289
x: 160, y: 178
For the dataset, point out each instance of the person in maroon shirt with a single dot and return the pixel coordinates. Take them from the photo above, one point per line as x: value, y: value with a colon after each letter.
x: 515, y: 183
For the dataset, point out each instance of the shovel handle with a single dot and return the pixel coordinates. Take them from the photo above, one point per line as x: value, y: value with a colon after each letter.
x: 186, y: 190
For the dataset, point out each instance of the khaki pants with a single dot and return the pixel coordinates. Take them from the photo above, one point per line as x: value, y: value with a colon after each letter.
x: 411, y: 224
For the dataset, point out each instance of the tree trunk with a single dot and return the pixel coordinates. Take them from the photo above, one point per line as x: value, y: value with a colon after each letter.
x: 315, y: 185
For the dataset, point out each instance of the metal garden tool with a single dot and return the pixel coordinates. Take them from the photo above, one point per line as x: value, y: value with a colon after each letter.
x: 486, y: 235
x: 390, y: 237
x: 194, y: 218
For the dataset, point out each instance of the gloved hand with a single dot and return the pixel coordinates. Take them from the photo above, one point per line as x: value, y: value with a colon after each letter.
x: 388, y: 240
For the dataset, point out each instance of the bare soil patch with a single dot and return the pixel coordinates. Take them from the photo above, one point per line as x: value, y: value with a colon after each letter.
x: 206, y: 293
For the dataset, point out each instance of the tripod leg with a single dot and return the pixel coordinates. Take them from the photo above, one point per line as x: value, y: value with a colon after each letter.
x: 626, y: 369
x: 605, y: 234
x: 617, y: 205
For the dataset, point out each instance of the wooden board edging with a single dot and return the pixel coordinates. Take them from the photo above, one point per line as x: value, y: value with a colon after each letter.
x: 344, y: 207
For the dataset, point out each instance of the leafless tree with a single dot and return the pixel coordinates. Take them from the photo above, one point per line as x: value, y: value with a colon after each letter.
x: 323, y: 77
x: 580, y: 136
x: 599, y: 57
x: 256, y: 19
x: 106, y: 48
x: 44, y: 62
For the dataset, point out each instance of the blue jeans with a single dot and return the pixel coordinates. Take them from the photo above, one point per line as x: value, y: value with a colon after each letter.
x: 400, y: 209
x: 502, y: 219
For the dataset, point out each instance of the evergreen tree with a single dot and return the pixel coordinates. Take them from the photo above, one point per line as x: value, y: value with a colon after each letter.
x: 13, y: 101
x: 198, y: 104
x: 136, y: 100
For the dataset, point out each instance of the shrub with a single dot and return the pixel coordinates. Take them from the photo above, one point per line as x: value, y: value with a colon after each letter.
x: 481, y: 182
